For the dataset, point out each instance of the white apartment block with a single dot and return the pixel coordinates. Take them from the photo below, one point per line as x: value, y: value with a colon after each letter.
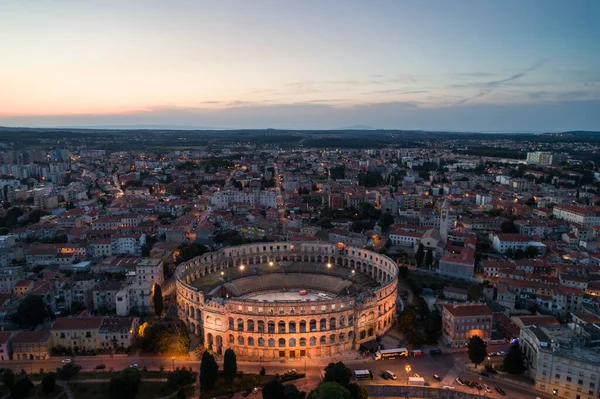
x: 149, y: 270
x: 504, y: 242
x: 583, y: 215
x: 560, y: 363
x: 225, y: 199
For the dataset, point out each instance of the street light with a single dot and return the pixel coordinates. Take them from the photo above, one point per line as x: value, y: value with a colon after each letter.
x: 173, y: 360
x: 407, y: 368
x: 271, y: 263
x: 329, y: 265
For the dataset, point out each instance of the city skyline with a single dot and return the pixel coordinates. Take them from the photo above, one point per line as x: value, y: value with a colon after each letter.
x: 465, y: 65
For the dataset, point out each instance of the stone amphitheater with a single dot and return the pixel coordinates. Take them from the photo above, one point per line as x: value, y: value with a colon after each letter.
x: 287, y: 300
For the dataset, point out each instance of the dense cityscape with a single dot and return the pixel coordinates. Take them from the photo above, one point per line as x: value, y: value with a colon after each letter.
x: 404, y: 261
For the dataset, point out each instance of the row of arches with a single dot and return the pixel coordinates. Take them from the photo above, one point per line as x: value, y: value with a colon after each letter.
x: 290, y: 343
x: 293, y: 326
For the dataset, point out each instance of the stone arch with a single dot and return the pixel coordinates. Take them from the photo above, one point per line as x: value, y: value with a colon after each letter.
x: 313, y: 325
x: 250, y: 341
x: 271, y: 327
x: 323, y: 340
x: 302, y: 341
x: 342, y: 321
x: 261, y: 326
x: 281, y: 342
x: 363, y: 335
x: 261, y: 341
x: 350, y: 335
x: 332, y: 323
x: 323, y: 324
x: 332, y: 339
x: 370, y: 333
x: 240, y: 324
x: 250, y: 325
x: 231, y: 324
x: 292, y: 326
x: 342, y: 337
x: 281, y: 327
x: 271, y: 342
x: 240, y: 340
x: 231, y: 339
x: 302, y: 326
x: 313, y: 341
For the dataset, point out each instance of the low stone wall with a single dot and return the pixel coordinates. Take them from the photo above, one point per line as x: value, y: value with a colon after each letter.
x: 403, y: 391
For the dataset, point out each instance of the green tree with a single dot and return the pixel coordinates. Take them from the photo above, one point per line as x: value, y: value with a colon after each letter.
x: 514, y: 361
x: 415, y: 339
x: 31, y: 312
x: 183, y: 338
x: 158, y: 300
x: 329, y: 390
x: 420, y: 255
x: 386, y: 220
x: 209, y: 371
x: 406, y: 320
x: 22, y: 388
x: 531, y: 251
x: 154, y: 338
x: 8, y: 379
x: 273, y: 389
x: 68, y: 371
x: 358, y: 391
x: 338, y: 372
x: 229, y: 365
x: 477, y: 350
x: 429, y: 258
x: 48, y: 383
x: 125, y: 385
x: 179, y: 378
x: 509, y: 227
x: 249, y: 381
x: 290, y: 391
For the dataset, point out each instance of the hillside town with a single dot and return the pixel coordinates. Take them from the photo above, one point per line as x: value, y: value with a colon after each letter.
x: 502, y: 244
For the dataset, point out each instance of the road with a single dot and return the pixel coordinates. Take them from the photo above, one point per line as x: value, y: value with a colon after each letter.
x: 448, y: 366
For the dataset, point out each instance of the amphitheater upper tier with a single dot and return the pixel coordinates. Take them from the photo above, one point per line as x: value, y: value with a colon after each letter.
x: 283, y: 299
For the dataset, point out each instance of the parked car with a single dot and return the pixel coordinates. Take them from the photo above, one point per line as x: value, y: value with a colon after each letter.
x: 500, y: 391
x: 435, y: 352
x: 501, y: 353
x: 459, y: 381
x: 417, y: 375
x: 437, y: 377
x: 389, y: 375
x: 468, y: 383
x: 66, y: 361
x: 483, y: 373
x: 449, y: 387
x: 487, y: 388
x: 134, y: 366
x: 477, y: 386
x: 291, y: 372
x: 100, y: 367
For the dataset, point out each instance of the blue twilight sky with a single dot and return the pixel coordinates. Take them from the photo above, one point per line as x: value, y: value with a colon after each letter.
x: 527, y: 65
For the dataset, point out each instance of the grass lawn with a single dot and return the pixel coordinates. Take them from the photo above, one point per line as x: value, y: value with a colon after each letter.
x: 147, y: 390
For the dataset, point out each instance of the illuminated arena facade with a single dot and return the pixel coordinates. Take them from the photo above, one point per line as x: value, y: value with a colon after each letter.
x: 287, y: 300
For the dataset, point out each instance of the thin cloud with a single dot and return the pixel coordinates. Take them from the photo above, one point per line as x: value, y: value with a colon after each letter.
x: 490, y: 86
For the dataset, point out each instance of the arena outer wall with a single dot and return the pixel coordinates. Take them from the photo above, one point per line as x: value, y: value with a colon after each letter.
x: 338, y: 324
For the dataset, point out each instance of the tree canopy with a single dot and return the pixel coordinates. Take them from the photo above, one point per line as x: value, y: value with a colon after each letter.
x: 229, y: 365
x: 31, y: 312
x: 68, y: 371
x: 514, y: 361
x: 125, y: 385
x: 273, y: 389
x: 338, y: 372
x: 477, y: 350
x: 209, y: 371
x: 158, y: 300
x: 183, y: 338
x: 329, y: 390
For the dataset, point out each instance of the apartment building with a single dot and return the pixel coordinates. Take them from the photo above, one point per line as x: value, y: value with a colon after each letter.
x: 118, y: 332
x: 460, y: 322
x: 82, y: 333
x: 504, y: 242
x: 31, y: 345
x: 150, y: 270
x: 560, y: 363
x: 583, y: 215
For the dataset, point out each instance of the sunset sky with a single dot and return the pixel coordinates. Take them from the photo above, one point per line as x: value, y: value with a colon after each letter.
x: 527, y: 65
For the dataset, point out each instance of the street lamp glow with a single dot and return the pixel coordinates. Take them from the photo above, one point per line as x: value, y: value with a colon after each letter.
x: 271, y: 263
x: 353, y: 271
x: 329, y: 265
x: 242, y: 267
x: 408, y: 368
x: 222, y: 273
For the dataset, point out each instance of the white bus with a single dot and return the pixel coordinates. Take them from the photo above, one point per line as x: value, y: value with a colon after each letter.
x: 391, y: 353
x: 363, y: 375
